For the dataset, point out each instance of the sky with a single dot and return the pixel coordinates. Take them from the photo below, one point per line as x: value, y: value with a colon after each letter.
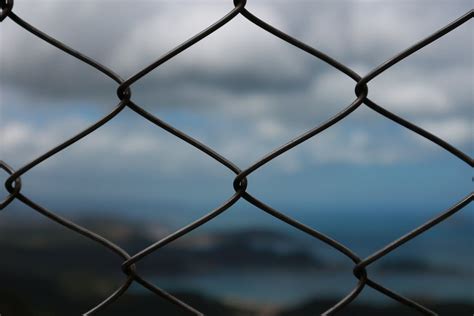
x: 244, y: 93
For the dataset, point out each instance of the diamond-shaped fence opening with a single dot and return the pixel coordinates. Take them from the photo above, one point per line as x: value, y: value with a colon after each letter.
x: 131, y: 261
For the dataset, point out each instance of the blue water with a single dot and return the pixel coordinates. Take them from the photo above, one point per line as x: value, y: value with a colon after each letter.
x: 449, y: 248
x: 285, y: 288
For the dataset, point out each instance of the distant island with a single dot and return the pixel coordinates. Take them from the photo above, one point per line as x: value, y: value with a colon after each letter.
x: 47, y: 270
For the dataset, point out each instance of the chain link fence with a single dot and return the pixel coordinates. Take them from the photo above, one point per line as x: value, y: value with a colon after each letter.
x: 124, y: 93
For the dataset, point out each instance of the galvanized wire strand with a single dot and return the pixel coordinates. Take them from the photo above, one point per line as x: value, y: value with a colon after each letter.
x: 419, y: 45
x: 131, y: 274
x: 239, y: 186
x: 409, y: 236
x: 356, y: 77
x: 65, y: 48
x: 90, y: 235
x: 360, y: 88
x: 174, y: 52
x: 16, y: 188
x: 13, y: 183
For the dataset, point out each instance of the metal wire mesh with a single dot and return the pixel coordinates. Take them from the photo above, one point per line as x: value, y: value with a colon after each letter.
x: 129, y: 266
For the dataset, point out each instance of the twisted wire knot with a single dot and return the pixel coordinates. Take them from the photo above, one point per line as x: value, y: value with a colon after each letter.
x: 240, y: 3
x: 124, y: 93
x: 6, y: 7
x: 240, y: 183
x: 13, y: 192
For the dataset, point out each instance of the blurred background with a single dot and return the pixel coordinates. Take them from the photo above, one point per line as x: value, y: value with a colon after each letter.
x: 365, y: 182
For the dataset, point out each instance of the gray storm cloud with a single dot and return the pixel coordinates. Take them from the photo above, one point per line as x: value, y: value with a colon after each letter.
x: 241, y: 91
x: 239, y: 58
x: 241, y: 72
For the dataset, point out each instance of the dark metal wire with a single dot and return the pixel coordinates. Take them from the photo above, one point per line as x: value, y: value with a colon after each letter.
x: 13, y: 183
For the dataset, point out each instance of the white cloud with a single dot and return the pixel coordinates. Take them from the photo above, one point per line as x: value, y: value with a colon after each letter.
x: 238, y: 47
x: 241, y: 72
x: 418, y: 92
x: 455, y: 130
x: 356, y: 147
x: 14, y: 134
x: 269, y: 129
x: 415, y: 98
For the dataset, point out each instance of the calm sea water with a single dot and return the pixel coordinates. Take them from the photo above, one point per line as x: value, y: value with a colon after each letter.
x: 285, y: 288
x: 448, y: 250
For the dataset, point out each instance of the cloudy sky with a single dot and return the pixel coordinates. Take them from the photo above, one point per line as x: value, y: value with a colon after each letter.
x: 243, y: 92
